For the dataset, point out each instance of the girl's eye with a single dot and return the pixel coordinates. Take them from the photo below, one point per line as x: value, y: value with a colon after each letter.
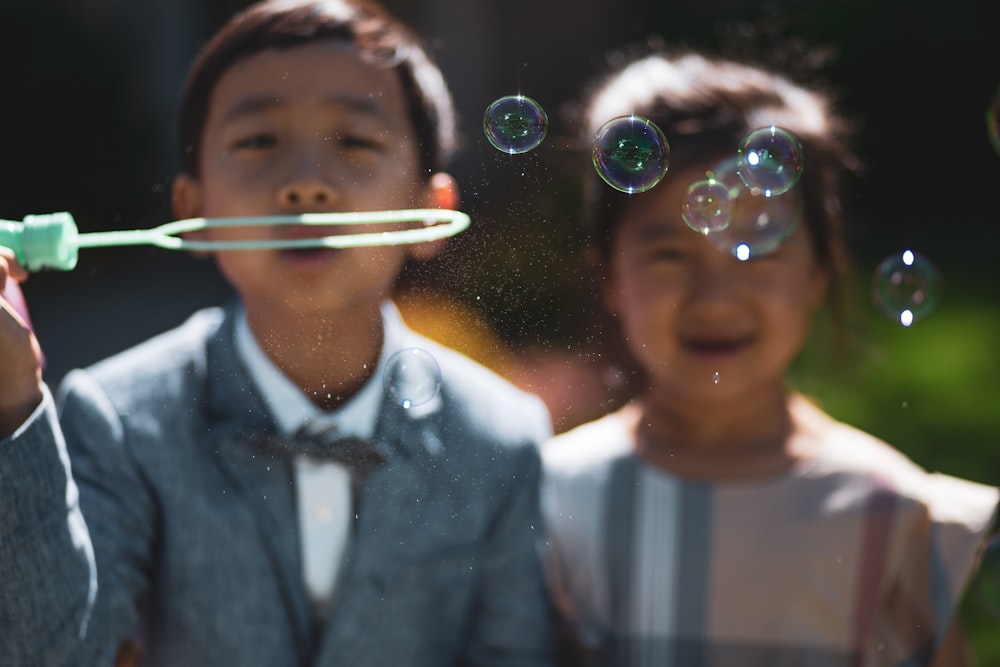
x: 668, y: 254
x: 358, y: 143
x: 256, y: 142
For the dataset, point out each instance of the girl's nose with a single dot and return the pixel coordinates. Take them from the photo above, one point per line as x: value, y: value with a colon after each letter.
x: 307, y: 194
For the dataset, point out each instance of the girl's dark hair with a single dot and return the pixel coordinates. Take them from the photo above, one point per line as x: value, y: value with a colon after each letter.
x: 282, y: 24
x: 705, y: 106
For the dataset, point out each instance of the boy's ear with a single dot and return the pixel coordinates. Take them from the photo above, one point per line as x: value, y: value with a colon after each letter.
x: 185, y: 198
x: 442, y: 192
x: 186, y: 202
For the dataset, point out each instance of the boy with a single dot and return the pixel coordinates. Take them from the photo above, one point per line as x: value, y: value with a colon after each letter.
x: 198, y: 540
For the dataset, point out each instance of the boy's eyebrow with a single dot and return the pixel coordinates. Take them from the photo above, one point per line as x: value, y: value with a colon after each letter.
x: 258, y: 103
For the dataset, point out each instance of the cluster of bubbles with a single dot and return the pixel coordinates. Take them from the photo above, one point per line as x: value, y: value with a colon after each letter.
x: 747, y: 205
x: 412, y: 377
x: 743, y: 207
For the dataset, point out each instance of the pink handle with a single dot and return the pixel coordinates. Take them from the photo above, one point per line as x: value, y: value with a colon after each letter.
x: 12, y: 293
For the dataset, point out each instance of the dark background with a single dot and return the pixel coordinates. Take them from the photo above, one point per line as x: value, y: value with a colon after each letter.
x: 90, y: 88
x: 89, y: 91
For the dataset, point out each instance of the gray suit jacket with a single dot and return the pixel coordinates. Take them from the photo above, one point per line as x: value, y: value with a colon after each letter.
x: 194, y: 532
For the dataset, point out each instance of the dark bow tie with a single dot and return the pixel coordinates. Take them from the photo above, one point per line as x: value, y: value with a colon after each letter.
x: 324, y: 443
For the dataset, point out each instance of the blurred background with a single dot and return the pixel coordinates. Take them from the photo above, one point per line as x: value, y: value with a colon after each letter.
x: 89, y: 94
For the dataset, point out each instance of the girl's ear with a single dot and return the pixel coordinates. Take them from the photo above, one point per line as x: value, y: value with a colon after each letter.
x: 442, y: 192
x: 818, y: 287
x: 186, y: 202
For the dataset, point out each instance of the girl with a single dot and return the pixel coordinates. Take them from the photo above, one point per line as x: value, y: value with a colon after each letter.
x: 721, y: 518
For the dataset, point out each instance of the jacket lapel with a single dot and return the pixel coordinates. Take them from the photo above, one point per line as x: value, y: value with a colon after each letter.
x: 264, y: 482
x: 390, y: 510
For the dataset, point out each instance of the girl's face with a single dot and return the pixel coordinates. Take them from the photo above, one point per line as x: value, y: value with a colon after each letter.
x: 702, y: 323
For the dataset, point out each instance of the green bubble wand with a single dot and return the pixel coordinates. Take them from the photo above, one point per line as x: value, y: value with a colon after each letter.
x: 52, y: 240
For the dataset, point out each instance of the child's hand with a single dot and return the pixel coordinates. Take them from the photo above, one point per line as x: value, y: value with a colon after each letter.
x: 20, y: 353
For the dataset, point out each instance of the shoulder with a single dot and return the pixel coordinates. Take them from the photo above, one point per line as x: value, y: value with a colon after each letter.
x: 880, y: 472
x: 590, y: 448
x: 481, y: 398
x: 154, y: 365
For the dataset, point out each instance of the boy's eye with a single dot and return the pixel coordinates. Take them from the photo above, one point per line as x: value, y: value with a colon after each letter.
x: 256, y: 142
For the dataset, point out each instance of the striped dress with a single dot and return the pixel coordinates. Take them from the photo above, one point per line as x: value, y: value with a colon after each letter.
x: 855, y: 556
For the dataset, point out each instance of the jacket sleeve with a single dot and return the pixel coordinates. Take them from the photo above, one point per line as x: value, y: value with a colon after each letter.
x: 48, y: 576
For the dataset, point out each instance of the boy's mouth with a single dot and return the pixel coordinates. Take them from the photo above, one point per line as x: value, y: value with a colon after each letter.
x: 307, y: 256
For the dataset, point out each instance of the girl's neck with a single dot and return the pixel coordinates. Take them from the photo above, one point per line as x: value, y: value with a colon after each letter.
x: 751, y: 437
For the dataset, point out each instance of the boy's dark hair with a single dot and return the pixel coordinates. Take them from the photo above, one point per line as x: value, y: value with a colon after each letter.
x: 282, y: 24
x: 705, y: 106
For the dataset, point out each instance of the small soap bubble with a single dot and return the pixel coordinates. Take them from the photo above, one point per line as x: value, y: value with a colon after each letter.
x: 631, y: 153
x: 986, y: 584
x: 993, y: 121
x: 757, y: 224
x: 706, y: 207
x: 906, y: 287
x: 769, y: 161
x: 412, y: 377
x: 515, y: 124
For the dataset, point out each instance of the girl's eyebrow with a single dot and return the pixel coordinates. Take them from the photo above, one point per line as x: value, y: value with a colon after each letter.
x: 655, y: 230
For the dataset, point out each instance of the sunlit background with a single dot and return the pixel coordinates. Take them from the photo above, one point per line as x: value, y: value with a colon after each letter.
x: 89, y: 92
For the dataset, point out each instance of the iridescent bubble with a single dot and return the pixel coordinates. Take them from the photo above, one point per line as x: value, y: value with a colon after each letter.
x: 993, y: 120
x: 986, y: 584
x: 631, y: 153
x: 906, y: 287
x: 757, y: 224
x: 412, y: 377
x: 707, y: 206
x: 515, y: 124
x: 769, y: 160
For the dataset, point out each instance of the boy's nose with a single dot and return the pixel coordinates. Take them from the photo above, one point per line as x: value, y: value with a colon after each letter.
x: 308, y: 194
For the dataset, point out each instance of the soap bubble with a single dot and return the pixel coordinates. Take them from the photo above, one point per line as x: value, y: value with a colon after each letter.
x: 769, y: 160
x: 515, y: 124
x: 631, y: 153
x: 906, y: 287
x: 707, y: 206
x: 412, y: 377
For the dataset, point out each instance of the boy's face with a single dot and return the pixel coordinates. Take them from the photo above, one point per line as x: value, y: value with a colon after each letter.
x: 314, y: 128
x: 705, y: 325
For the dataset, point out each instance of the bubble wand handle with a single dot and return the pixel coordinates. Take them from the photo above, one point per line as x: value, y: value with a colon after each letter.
x: 52, y: 241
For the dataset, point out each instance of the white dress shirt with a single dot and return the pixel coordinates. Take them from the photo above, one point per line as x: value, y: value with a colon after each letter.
x: 323, y: 488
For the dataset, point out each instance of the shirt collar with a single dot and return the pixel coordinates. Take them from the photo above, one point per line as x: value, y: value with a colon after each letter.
x: 289, y: 405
